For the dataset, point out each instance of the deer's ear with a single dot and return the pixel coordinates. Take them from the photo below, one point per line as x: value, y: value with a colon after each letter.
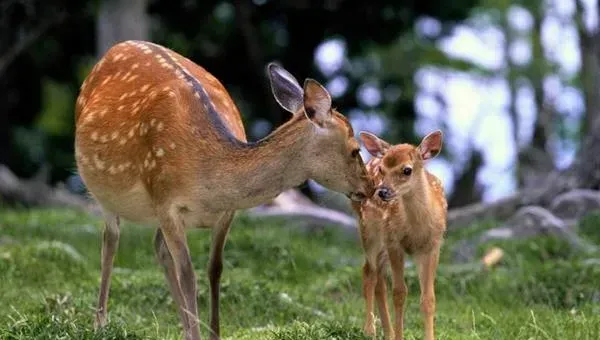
x: 431, y: 145
x: 317, y: 102
x: 376, y: 146
x: 285, y: 88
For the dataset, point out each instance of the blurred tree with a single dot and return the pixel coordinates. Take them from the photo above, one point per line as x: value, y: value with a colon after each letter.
x: 120, y: 20
x: 232, y: 39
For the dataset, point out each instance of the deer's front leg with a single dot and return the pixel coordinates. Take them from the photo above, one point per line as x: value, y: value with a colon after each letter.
x: 399, y: 289
x: 427, y: 267
x: 215, y: 268
x: 166, y: 261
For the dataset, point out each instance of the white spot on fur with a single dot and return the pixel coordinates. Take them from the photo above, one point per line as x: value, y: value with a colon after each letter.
x: 160, y: 152
x: 172, y: 145
x: 94, y: 136
x: 160, y: 126
x: 144, y: 88
x: 98, y: 162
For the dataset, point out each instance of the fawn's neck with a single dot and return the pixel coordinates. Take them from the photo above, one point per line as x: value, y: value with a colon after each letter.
x: 260, y: 171
x: 417, y: 201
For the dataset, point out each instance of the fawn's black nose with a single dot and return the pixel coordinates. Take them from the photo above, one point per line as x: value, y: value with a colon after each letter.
x: 385, y: 194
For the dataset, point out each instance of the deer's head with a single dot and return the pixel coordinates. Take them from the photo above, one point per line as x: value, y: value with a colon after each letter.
x: 332, y: 154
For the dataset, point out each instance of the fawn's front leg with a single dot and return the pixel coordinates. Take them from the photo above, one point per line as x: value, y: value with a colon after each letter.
x: 427, y: 267
x: 399, y: 289
x: 369, y: 282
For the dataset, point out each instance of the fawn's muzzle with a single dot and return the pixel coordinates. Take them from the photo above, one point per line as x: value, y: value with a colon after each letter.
x: 385, y: 194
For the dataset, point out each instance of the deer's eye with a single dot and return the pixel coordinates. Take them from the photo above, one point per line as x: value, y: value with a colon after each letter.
x: 355, y: 153
x: 407, y: 171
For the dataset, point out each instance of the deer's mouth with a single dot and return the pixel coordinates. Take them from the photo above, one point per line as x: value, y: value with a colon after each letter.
x: 357, y: 196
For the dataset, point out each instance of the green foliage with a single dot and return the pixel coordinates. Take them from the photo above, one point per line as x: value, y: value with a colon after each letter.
x: 278, y: 283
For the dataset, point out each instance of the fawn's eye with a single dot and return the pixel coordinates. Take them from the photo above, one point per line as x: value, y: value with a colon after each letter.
x: 355, y: 153
x: 407, y: 171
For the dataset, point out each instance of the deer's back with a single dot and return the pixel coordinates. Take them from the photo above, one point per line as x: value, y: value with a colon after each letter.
x: 143, y: 127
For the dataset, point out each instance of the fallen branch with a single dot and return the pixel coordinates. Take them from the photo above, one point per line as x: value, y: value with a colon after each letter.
x: 527, y: 222
x: 35, y: 192
x: 292, y: 204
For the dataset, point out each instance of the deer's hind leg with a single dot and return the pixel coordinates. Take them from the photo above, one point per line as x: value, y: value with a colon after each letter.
x: 110, y: 244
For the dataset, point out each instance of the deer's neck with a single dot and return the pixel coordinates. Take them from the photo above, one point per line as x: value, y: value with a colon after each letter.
x: 258, y: 172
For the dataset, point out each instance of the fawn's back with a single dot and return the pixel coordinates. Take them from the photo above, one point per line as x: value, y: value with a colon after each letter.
x: 142, y: 114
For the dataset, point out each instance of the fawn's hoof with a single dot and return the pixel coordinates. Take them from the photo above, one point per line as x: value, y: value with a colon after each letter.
x: 100, y: 320
x: 369, y: 329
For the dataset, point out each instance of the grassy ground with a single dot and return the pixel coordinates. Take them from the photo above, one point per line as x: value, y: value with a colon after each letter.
x: 278, y: 283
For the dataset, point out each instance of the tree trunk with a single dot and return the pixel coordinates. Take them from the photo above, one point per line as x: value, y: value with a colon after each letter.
x: 466, y: 190
x: 120, y: 20
x: 590, y: 68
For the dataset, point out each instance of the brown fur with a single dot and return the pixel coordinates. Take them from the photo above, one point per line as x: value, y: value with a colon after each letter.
x: 412, y: 223
x: 159, y: 140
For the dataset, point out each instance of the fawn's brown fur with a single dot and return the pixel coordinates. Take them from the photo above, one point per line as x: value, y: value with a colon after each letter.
x: 159, y: 140
x: 407, y: 216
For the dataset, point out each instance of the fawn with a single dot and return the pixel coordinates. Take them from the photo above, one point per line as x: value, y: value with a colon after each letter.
x: 407, y: 216
x: 159, y: 140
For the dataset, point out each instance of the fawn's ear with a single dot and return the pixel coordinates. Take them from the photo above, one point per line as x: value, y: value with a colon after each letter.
x: 376, y: 146
x: 431, y: 145
x: 317, y: 102
x: 285, y: 88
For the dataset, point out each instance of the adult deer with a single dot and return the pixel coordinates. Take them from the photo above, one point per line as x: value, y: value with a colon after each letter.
x: 159, y: 140
x: 406, y: 217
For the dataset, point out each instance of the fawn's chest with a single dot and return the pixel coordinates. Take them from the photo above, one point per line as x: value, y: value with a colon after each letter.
x: 393, y: 225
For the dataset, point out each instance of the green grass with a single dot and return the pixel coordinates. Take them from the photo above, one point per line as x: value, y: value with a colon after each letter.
x: 279, y: 282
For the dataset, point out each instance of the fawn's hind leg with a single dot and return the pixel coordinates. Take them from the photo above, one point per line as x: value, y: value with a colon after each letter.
x: 381, y: 297
x: 369, y: 282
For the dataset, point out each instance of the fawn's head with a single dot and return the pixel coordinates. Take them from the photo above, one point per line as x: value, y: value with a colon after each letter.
x: 332, y: 154
x: 401, y: 164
